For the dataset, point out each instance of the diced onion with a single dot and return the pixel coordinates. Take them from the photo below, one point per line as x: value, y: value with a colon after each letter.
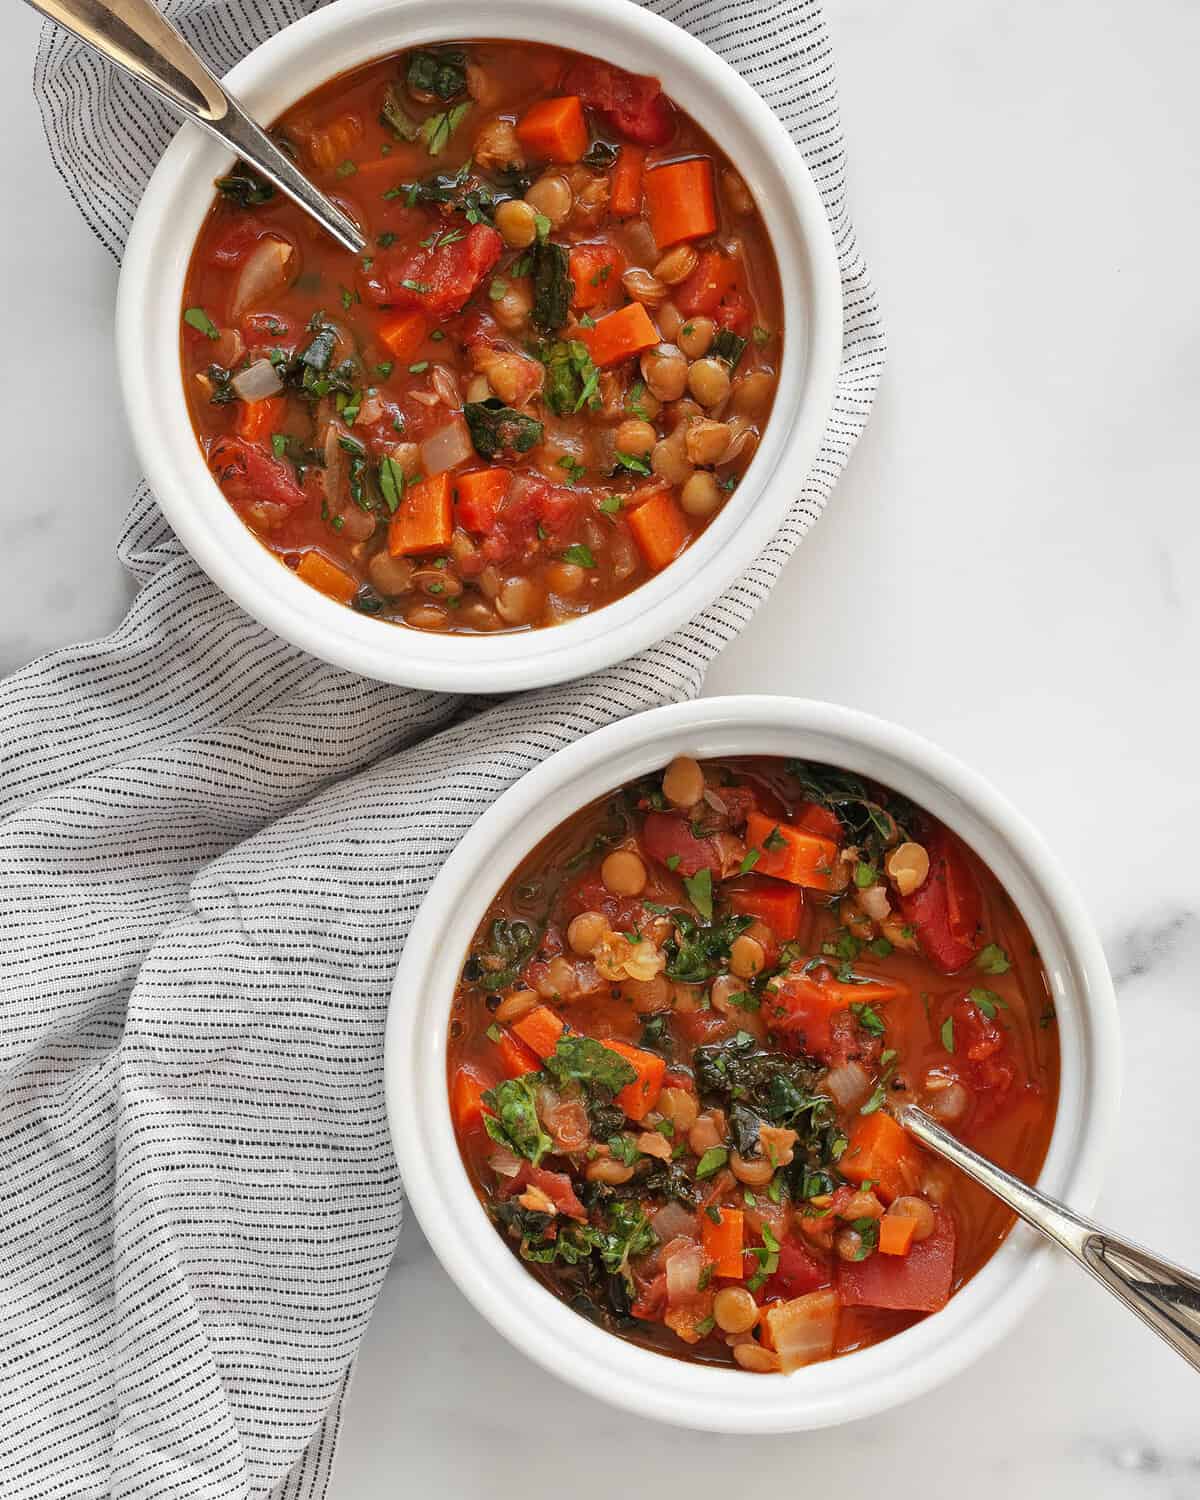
x: 803, y: 1329
x: 504, y: 1162
x: 684, y: 1270
x: 672, y: 1220
x: 334, y: 472
x: 847, y: 1085
x: 264, y: 269
x: 447, y: 447
x: 714, y: 801
x: 258, y: 381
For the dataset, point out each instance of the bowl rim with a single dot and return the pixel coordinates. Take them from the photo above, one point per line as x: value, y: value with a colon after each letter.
x: 317, y: 47
x: 598, y: 1362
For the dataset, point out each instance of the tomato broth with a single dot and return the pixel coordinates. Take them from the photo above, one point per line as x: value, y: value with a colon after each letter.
x: 676, y: 1037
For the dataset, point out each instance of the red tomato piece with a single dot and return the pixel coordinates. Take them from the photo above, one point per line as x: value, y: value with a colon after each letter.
x: 231, y: 247
x: 800, y: 1271
x: 439, y: 278
x: 247, y: 473
x: 534, y: 514
x: 631, y: 102
x: 805, y: 1009
x: 946, y: 911
x: 715, y: 289
x: 917, y: 1282
x: 670, y: 841
x: 814, y: 818
x: 556, y: 1186
x: 651, y: 1303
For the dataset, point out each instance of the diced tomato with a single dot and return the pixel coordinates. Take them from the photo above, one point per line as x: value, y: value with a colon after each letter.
x: 651, y: 1302
x: 630, y: 102
x: 917, y: 1282
x: 669, y: 840
x: 596, y: 270
x: 556, y: 1186
x: 534, y: 513
x: 805, y: 1009
x: 231, y: 247
x: 714, y: 289
x: 247, y: 473
x: 735, y: 312
x: 703, y: 1026
x: 946, y: 911
x: 589, y: 893
x: 981, y: 1052
x: 799, y: 1271
x: 439, y: 279
x: 814, y: 818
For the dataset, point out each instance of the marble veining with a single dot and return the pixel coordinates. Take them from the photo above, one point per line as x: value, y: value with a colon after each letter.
x: 1007, y: 567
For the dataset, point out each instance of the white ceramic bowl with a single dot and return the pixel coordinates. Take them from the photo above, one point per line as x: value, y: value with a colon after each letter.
x: 654, y: 1385
x: 149, y: 304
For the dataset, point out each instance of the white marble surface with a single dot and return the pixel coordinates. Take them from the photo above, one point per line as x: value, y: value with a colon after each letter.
x: 1008, y: 567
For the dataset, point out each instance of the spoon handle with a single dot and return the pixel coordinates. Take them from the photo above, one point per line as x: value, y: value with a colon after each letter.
x: 136, y: 36
x: 1164, y: 1296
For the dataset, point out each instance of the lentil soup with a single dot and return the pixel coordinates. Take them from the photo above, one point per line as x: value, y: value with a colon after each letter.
x: 676, y: 1036
x: 540, y: 382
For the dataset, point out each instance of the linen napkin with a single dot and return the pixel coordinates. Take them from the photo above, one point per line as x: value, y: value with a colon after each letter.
x: 211, y: 849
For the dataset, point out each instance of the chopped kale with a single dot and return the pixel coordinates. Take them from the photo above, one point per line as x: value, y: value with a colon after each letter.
x: 394, y: 115
x: 580, y: 1059
x: 553, y: 289
x: 599, y: 155
x: 695, y: 952
x: 514, y: 1119
x: 868, y: 824
x: 440, y: 72
x: 245, y: 187
x: 745, y: 1125
x: 510, y: 946
x: 728, y: 346
x: 571, y: 377
x: 498, y: 430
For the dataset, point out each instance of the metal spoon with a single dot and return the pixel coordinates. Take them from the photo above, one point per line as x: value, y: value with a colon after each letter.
x: 1164, y: 1296
x: 139, y: 38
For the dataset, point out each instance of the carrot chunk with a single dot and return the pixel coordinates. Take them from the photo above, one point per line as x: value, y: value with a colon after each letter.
x: 779, y: 906
x: 680, y: 201
x: 424, y: 521
x: 554, y: 129
x: 791, y: 854
x: 478, y: 495
x: 619, y: 335
x: 896, y: 1234
x: 722, y: 1241
x: 258, y: 419
x: 403, y: 335
x: 466, y: 1099
x: 540, y: 1029
x: 625, y: 182
x: 881, y: 1153
x: 514, y: 1056
x: 638, y: 1098
x: 331, y: 144
x: 316, y: 569
x: 596, y: 270
x: 659, y: 529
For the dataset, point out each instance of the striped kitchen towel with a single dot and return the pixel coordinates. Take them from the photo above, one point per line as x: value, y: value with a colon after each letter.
x: 211, y: 848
